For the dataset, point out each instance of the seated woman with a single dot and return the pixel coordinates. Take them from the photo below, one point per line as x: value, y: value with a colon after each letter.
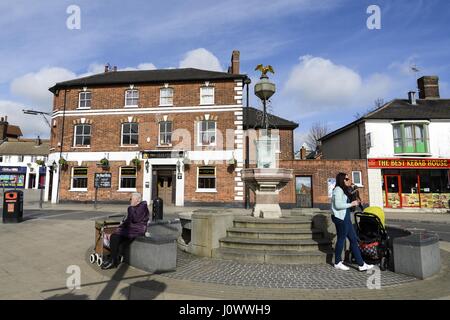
x: 133, y: 226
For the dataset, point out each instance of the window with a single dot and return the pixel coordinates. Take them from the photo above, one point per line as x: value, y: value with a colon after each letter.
x: 1, y: 158
x: 411, y: 138
x: 165, y: 133
x: 206, y: 178
x: 166, y: 97
x: 207, y: 95
x: 80, y: 178
x: 84, y: 100
x: 131, y: 98
x: 21, y: 158
x: 356, y: 178
x: 127, y: 178
x: 130, y: 133
x: 206, y: 133
x: 82, y: 135
x: 33, y: 159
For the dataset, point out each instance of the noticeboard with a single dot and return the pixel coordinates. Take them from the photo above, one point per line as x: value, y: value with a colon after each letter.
x: 103, y: 180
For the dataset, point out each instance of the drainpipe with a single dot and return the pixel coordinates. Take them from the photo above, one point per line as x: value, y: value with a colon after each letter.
x: 62, y: 144
x: 247, y: 81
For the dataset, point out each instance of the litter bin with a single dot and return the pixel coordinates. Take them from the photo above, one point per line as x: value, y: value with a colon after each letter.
x: 157, y: 210
x: 12, y: 206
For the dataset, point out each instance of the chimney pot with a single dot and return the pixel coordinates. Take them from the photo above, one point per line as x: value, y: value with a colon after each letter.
x: 428, y: 87
x: 106, y: 68
x: 115, y: 68
x: 412, y: 97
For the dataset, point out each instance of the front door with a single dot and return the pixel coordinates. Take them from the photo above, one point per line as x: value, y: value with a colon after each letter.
x: 303, y: 191
x: 393, y: 190
x: 164, y: 185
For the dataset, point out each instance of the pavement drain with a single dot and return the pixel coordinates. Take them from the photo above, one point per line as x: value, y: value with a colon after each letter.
x: 228, y: 272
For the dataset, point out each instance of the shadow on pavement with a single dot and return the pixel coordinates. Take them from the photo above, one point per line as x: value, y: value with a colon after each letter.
x: 152, y: 289
x: 69, y: 296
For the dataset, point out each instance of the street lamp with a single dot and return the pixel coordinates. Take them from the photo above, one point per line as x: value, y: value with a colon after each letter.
x: 35, y: 113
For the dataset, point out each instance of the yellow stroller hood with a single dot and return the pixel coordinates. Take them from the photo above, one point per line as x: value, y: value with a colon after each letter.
x: 378, y: 212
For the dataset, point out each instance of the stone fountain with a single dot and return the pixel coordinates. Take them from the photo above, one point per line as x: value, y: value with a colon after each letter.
x: 266, y: 180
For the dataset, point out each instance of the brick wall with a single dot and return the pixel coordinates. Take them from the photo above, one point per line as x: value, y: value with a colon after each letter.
x: 113, y: 97
x: 320, y: 171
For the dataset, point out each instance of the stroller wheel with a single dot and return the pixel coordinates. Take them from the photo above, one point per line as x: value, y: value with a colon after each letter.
x: 92, y: 258
x: 99, y: 261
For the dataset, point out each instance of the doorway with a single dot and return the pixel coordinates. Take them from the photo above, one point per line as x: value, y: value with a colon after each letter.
x: 164, y: 184
x: 303, y: 192
x: 393, y: 190
x: 31, y: 180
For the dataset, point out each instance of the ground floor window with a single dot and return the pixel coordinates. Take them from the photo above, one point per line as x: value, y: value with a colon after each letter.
x: 127, y: 178
x: 416, y: 188
x: 80, y: 178
x: 206, y: 178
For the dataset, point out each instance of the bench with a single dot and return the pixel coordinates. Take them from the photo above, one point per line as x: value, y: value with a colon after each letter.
x: 155, y: 252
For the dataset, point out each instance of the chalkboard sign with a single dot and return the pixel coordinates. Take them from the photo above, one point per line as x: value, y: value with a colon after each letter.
x: 103, y: 180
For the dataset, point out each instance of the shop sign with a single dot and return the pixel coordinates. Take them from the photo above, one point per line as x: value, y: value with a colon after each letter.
x: 399, y: 163
x: 162, y: 154
x: 102, y: 180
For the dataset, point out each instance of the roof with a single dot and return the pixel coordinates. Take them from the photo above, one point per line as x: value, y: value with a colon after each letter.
x: 13, y: 131
x: 147, y: 76
x: 401, y: 109
x: 253, y: 118
x: 24, y: 148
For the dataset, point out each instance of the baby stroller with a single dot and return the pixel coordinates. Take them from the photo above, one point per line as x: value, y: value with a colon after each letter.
x: 373, y: 238
x: 103, y: 231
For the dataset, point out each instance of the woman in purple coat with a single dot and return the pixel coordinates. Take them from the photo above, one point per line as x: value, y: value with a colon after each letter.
x: 133, y: 226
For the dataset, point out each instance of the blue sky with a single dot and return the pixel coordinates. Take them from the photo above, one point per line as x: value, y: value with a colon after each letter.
x: 328, y: 64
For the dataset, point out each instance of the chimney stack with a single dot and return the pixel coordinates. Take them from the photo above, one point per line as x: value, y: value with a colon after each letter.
x: 38, y: 141
x: 106, y: 68
x: 303, y: 153
x: 412, y: 97
x: 115, y: 68
x: 428, y: 87
x: 234, y: 69
x: 3, y: 128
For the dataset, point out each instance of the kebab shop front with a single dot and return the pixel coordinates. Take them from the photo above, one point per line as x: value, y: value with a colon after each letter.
x: 414, y: 183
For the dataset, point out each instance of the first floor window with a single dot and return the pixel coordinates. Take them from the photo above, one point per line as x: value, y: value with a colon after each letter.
x: 165, y: 132
x: 411, y: 138
x: 80, y: 178
x: 83, y: 135
x: 21, y: 158
x: 130, y: 133
x: 166, y: 97
x: 207, y: 133
x: 127, y: 178
x: 206, y: 178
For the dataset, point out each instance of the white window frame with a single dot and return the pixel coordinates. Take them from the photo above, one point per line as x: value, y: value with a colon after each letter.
x: 199, y: 140
x: 75, y: 136
x: 120, y: 181
x: 360, y: 184
x: 202, y: 102
x: 161, y: 90
x: 207, y: 190
x: 159, y: 135
x: 126, y: 98
x: 71, y: 181
x: 79, y: 99
x: 121, y: 135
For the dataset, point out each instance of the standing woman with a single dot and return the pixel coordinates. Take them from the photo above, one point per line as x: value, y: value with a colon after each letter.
x: 340, y: 207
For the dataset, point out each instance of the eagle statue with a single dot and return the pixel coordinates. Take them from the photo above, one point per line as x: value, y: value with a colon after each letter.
x: 265, y: 69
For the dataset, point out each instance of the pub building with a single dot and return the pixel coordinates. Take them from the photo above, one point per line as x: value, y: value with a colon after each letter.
x: 406, y: 143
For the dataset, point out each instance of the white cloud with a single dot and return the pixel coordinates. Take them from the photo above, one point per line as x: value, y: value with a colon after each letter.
x: 33, y: 86
x: 141, y: 66
x: 30, y: 125
x: 317, y: 84
x: 201, y: 59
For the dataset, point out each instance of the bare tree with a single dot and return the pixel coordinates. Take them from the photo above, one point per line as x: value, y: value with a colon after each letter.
x: 317, y: 131
x: 379, y: 102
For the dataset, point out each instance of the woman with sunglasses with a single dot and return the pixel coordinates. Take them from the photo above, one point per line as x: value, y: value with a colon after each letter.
x: 340, y: 207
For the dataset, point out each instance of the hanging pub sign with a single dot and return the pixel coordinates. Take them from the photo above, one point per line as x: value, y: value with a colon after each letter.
x: 411, y: 163
x: 102, y: 180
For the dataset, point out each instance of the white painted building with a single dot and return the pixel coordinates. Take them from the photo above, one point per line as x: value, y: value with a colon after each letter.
x: 407, y: 147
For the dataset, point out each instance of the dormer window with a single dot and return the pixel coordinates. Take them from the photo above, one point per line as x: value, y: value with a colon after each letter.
x: 131, y: 98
